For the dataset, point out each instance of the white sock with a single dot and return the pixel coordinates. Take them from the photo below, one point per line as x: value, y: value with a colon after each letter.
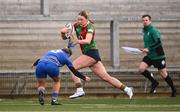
x: 126, y: 89
x: 41, y: 88
x: 80, y: 89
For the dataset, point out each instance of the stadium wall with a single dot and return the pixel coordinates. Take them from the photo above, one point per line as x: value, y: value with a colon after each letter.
x: 27, y: 31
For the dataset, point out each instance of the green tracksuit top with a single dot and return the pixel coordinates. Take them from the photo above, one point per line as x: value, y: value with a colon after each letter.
x: 152, y: 41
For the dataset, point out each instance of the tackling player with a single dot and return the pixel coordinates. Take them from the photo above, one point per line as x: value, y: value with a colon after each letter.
x: 49, y: 65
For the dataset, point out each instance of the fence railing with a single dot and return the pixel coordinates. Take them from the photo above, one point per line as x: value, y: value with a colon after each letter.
x: 25, y: 83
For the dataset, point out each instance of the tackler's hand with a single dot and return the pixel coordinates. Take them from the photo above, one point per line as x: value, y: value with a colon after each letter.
x: 35, y: 63
x: 32, y: 65
x: 87, y: 79
x: 65, y: 33
x: 63, y: 36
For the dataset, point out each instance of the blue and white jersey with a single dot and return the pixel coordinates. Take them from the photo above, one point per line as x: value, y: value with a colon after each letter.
x: 59, y: 57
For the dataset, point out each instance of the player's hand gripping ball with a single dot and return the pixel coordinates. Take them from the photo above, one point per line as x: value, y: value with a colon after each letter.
x: 70, y: 28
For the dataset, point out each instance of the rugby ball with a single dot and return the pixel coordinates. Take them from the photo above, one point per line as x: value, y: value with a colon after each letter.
x: 70, y: 26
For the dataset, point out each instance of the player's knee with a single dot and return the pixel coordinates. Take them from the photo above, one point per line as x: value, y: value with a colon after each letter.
x: 141, y: 69
x: 164, y: 74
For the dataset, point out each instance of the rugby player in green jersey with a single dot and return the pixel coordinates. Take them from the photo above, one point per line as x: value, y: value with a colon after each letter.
x: 85, y: 32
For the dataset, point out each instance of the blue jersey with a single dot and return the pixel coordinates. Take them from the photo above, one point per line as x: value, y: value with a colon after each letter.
x: 49, y: 64
x: 59, y: 57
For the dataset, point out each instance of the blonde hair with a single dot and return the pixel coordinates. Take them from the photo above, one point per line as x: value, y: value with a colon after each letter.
x: 67, y: 50
x: 86, y: 14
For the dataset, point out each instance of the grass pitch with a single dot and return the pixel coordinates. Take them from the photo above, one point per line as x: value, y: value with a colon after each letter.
x: 89, y: 104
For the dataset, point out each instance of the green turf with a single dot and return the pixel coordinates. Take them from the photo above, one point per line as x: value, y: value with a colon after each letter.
x: 88, y: 104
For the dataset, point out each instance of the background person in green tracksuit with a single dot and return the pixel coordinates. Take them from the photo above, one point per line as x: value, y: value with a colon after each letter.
x: 154, y: 55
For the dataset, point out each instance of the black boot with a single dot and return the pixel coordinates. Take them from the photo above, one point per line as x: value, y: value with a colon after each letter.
x: 170, y: 83
x: 154, y: 84
x: 41, y: 97
x: 55, y: 102
x: 173, y: 94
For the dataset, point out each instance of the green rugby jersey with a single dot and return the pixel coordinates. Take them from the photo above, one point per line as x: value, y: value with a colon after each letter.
x: 81, y: 34
x: 152, y: 41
